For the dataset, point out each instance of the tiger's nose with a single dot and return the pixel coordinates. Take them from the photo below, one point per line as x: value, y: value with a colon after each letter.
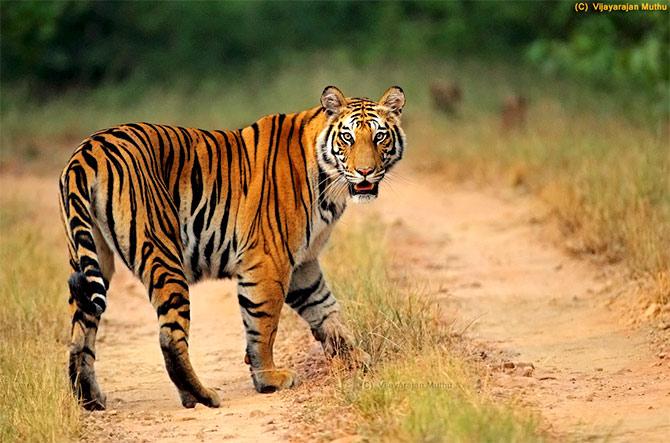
x: 365, y: 171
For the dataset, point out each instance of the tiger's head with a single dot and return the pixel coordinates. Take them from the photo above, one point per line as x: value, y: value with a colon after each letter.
x: 361, y: 141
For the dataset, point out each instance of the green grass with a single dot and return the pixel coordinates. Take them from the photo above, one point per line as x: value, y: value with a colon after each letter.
x: 36, y: 404
x: 421, y: 387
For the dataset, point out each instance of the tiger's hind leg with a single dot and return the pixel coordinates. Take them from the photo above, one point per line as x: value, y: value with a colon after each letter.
x: 85, y: 324
x: 311, y: 298
x: 153, y: 251
x: 169, y: 294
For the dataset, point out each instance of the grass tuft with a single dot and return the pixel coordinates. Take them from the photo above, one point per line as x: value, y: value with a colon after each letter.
x: 387, y: 323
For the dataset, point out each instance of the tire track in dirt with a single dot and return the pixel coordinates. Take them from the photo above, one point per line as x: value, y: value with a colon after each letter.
x: 500, y: 277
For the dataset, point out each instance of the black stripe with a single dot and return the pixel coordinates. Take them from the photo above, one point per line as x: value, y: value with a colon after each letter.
x: 173, y: 326
x: 248, y: 304
x: 314, y: 303
x: 299, y: 296
x: 176, y: 301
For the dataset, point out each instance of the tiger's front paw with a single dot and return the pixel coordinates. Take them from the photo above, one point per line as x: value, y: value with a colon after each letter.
x: 271, y: 380
x: 208, y: 398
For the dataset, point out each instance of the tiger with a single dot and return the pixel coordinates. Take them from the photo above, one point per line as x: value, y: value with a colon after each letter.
x: 178, y: 205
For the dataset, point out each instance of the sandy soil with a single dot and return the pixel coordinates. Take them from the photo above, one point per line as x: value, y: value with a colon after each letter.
x: 543, y: 320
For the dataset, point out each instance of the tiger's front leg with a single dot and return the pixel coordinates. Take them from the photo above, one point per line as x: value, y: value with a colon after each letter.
x: 261, y: 296
x: 310, y: 296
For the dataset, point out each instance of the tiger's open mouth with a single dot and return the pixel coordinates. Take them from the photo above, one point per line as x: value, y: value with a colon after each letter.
x: 364, y: 188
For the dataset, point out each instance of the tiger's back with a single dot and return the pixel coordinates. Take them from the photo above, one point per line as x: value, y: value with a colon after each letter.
x: 215, y: 183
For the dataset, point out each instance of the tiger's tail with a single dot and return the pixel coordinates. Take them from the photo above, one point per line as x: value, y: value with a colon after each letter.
x: 88, y: 287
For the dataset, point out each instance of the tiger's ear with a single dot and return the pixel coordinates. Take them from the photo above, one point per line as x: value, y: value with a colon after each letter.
x: 394, y: 100
x: 332, y: 100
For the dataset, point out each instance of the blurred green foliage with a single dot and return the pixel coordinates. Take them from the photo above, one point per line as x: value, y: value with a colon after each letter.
x: 64, y: 43
x: 611, y: 50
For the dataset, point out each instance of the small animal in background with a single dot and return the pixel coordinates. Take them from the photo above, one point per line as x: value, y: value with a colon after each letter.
x: 513, y: 112
x: 447, y: 96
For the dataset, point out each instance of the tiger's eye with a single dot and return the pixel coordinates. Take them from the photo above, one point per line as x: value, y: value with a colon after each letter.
x: 380, y: 137
x: 346, y: 137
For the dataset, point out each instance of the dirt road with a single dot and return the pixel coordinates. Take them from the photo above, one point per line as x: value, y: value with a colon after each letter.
x: 485, y: 258
x: 491, y: 263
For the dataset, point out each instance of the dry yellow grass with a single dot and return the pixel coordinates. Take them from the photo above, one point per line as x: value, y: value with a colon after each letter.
x: 606, y: 178
x: 36, y: 404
